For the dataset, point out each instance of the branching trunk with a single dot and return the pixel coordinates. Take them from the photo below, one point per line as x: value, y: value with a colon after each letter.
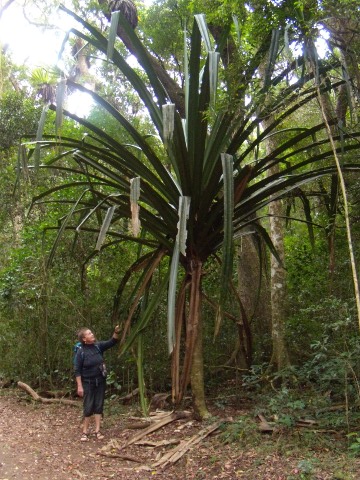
x: 174, y: 91
x: 193, y: 367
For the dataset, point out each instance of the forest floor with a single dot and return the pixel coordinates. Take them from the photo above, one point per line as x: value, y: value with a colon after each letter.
x: 41, y: 441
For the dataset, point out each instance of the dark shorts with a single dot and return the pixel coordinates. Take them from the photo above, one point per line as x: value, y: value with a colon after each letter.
x: 94, y: 395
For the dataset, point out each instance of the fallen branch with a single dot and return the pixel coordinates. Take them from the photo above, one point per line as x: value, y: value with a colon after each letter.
x: 162, y: 443
x: 160, y: 400
x: 37, y: 397
x: 119, y: 455
x: 264, y: 425
x: 304, y: 422
x: 176, y: 453
x: 333, y: 408
x: 137, y: 426
x: 127, y: 398
x: 156, y: 426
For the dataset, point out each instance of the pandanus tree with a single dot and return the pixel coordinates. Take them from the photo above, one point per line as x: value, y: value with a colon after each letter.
x: 194, y: 189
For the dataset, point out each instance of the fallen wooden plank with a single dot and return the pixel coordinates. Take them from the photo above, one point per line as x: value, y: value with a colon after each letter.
x: 176, y: 453
x: 156, y: 426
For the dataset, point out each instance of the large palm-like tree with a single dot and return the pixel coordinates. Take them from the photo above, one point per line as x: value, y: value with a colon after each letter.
x: 200, y: 191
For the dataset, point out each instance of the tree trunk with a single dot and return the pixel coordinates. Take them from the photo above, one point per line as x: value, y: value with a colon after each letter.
x: 197, y: 376
x: 193, y: 366
x: 280, y: 356
x: 253, y: 293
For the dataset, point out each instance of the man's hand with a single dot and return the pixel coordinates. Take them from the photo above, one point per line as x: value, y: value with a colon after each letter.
x: 80, y: 391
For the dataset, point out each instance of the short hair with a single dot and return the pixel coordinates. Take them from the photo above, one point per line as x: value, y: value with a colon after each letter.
x: 81, y: 334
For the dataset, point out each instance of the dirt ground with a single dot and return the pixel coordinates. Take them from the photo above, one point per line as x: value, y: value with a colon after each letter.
x: 42, y: 442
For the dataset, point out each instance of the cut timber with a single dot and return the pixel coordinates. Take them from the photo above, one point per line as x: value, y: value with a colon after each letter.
x: 176, y: 453
x: 37, y: 397
x: 156, y: 426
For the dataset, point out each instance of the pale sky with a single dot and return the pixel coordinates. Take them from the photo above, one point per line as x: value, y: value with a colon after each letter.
x: 27, y: 43
x: 35, y: 47
x: 30, y: 44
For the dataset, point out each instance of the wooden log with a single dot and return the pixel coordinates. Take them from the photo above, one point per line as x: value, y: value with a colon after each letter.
x: 127, y: 398
x: 37, y: 397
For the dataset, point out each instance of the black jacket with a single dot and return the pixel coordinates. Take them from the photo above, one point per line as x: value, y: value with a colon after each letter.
x: 89, y: 359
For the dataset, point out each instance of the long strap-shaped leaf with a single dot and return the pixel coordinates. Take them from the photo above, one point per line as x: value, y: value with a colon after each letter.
x: 228, y: 242
x: 114, y: 23
x: 39, y: 134
x: 105, y: 227
x: 139, y: 139
x: 142, y: 56
x: 100, y: 43
x: 62, y: 229
x: 134, y: 205
x: 200, y: 19
x: 179, y: 247
x: 171, y: 305
x: 146, y: 316
x: 138, y: 168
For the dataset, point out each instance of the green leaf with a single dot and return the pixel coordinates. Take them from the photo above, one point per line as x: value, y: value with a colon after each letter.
x: 112, y: 34
x: 171, y: 306
x: 105, y: 227
x: 143, y: 322
x: 274, y: 48
x: 60, y: 97
x: 183, y: 212
x: 62, y: 230
x: 228, y: 242
x: 186, y: 83
x: 237, y: 27
x: 214, y: 58
x: 39, y: 134
x: 200, y: 19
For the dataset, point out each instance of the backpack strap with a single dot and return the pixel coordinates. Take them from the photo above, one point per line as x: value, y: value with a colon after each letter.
x: 98, y: 348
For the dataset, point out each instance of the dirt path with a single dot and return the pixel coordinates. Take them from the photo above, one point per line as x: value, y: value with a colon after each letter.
x: 42, y: 442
